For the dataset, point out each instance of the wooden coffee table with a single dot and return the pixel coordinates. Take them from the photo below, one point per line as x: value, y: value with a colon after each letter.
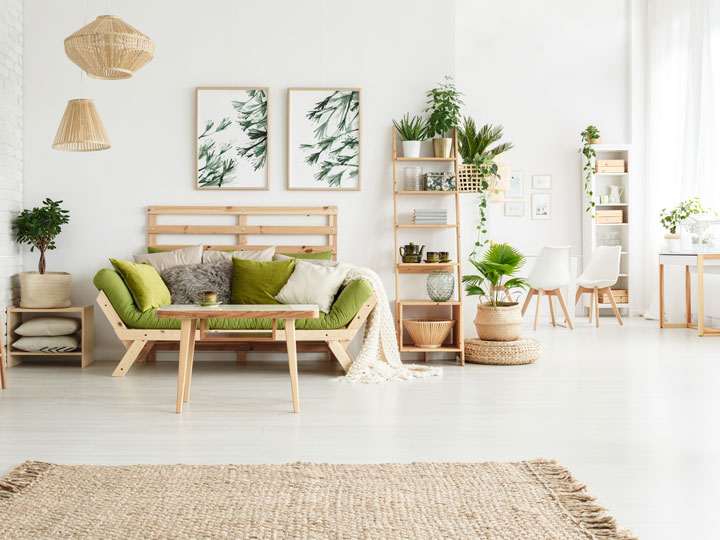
x: 190, y: 314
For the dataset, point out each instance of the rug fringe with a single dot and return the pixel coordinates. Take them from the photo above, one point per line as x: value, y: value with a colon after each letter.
x: 22, y: 477
x: 577, y: 502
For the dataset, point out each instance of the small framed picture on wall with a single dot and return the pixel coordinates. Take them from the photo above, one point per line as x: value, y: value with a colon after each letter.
x: 517, y: 186
x: 514, y: 208
x: 541, y: 206
x: 542, y: 181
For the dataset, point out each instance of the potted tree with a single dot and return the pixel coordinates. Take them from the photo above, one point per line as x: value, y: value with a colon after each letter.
x: 39, y: 227
x: 497, y: 318
x: 444, y: 107
x: 412, y: 131
x: 671, y: 219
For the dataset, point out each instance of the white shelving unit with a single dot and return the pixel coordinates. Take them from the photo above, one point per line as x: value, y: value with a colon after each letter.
x: 593, y: 232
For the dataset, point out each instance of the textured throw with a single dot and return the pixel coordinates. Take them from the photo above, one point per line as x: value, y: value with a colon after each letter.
x: 379, y: 359
x: 530, y: 500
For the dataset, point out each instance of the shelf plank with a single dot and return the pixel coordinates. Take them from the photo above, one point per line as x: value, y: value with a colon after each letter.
x: 611, y: 173
x: 425, y: 192
x: 25, y: 353
x: 424, y: 268
x: 429, y: 303
x: 412, y: 348
x: 426, y: 226
x: 598, y: 205
x: 610, y: 224
x: 450, y: 159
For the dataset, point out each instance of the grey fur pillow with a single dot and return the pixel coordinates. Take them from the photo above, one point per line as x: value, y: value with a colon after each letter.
x: 187, y: 283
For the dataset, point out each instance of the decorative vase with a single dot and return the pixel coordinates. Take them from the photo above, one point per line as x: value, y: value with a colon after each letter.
x: 499, y: 323
x: 413, y: 178
x: 411, y: 149
x: 673, y: 243
x: 442, y: 147
x: 440, y: 285
x: 48, y: 290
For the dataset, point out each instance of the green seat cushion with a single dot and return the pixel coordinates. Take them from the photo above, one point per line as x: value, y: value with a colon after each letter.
x: 347, y: 303
x: 259, y: 282
x: 321, y: 255
x: 145, y: 284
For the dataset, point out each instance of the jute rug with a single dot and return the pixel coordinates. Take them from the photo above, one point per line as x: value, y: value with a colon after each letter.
x: 530, y: 500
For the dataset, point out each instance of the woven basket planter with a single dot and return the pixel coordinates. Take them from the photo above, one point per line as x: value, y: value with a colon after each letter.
x: 48, y: 290
x: 502, y: 353
x: 499, y: 323
x: 428, y: 333
x: 470, y: 181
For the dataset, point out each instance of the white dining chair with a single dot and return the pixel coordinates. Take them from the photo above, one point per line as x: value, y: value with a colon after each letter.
x: 550, y: 272
x: 601, y: 273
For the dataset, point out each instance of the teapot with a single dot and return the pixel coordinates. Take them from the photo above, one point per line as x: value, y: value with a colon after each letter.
x: 615, y: 194
x: 411, y: 249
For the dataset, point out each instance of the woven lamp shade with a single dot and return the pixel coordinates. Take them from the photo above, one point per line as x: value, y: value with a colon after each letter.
x: 109, y: 48
x: 81, y: 129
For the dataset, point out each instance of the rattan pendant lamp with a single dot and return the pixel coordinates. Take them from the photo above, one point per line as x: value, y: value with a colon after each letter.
x: 81, y: 129
x: 109, y: 48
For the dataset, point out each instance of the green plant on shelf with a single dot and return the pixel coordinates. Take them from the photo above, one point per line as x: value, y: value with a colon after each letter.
x: 496, y: 274
x: 588, y: 135
x: 39, y: 227
x: 411, y: 129
x: 444, y: 103
x: 670, y: 219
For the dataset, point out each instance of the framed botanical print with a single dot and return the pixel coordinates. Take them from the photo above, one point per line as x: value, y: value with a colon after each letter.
x: 517, y: 185
x: 231, y: 137
x: 323, y: 139
x: 514, y: 208
x: 541, y: 206
x: 542, y: 181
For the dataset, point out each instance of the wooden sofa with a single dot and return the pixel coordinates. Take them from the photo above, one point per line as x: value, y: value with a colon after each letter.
x: 141, y: 343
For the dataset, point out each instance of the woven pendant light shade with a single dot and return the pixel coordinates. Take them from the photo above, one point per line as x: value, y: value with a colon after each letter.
x: 109, y: 48
x: 81, y: 129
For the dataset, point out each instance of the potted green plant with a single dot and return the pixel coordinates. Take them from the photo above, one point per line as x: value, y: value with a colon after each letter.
x: 444, y: 107
x: 412, y: 131
x: 671, y: 219
x: 590, y: 135
x: 497, y: 319
x: 39, y: 227
x: 479, y: 149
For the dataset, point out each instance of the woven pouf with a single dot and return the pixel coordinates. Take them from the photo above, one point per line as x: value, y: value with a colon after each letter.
x: 502, y: 353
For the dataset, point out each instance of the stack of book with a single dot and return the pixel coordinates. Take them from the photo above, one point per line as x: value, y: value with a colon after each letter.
x: 430, y: 217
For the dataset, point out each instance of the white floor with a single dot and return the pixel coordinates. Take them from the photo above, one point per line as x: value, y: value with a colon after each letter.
x: 633, y: 411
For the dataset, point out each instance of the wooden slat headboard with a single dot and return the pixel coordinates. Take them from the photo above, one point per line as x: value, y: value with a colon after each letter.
x: 242, y: 230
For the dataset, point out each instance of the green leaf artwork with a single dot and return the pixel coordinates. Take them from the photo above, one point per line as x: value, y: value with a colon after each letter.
x: 252, y: 118
x: 333, y: 155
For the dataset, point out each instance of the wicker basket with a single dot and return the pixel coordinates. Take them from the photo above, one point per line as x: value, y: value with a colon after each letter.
x: 470, y: 181
x: 43, y: 291
x: 499, y: 323
x: 428, y: 333
x: 502, y: 353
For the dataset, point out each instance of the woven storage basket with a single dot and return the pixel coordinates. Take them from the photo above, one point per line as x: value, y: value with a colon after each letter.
x: 430, y: 333
x: 499, y: 323
x: 49, y: 290
x: 502, y: 353
x: 469, y: 181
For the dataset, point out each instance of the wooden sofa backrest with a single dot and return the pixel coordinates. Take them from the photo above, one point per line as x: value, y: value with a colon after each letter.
x: 244, y: 229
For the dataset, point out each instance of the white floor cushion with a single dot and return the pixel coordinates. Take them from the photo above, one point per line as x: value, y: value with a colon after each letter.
x: 313, y: 284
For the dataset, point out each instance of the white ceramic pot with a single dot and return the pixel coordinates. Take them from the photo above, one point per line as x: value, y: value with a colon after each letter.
x: 48, y: 290
x: 499, y: 323
x: 673, y: 243
x: 411, y: 148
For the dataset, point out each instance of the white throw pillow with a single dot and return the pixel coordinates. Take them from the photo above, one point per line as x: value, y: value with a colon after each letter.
x: 313, y: 284
x: 168, y: 259
x: 317, y: 262
x: 213, y: 256
x: 46, y: 344
x: 48, y: 326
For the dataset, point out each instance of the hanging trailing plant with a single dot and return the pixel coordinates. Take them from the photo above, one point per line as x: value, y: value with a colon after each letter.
x: 589, y: 136
x: 676, y: 216
x: 488, y: 171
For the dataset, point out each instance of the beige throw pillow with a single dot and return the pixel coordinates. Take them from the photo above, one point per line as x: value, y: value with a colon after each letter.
x: 212, y: 256
x: 317, y: 262
x: 46, y: 344
x: 48, y: 326
x: 313, y: 284
x: 168, y: 259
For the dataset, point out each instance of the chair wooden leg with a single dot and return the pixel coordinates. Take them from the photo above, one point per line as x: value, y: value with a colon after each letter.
x: 341, y: 354
x: 614, y: 306
x: 552, y: 309
x: 135, y: 349
x: 597, y: 307
x: 558, y: 293
x: 592, y: 307
x: 529, y: 296
x: 540, y: 293
x: 241, y: 356
x: 189, y: 368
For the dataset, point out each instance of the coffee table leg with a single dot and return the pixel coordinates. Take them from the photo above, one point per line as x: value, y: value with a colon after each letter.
x: 292, y: 361
x: 190, y: 361
x: 187, y: 327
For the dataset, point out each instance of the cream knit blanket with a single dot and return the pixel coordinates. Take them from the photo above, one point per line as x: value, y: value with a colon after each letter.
x: 379, y: 359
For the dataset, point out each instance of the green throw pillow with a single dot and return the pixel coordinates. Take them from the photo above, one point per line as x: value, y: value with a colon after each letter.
x: 145, y: 284
x: 321, y: 255
x: 259, y: 282
x: 156, y: 250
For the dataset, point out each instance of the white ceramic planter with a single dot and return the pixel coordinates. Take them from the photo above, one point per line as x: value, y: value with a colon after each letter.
x: 673, y: 243
x: 48, y: 290
x: 411, y: 148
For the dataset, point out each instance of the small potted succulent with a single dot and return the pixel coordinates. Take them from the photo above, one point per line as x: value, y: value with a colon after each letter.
x: 671, y: 219
x: 444, y: 107
x: 39, y: 227
x: 497, y: 319
x: 412, y: 131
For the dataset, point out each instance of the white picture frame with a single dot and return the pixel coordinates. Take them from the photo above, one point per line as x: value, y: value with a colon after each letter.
x: 314, y: 116
x: 541, y: 206
x: 517, y: 185
x: 514, y: 208
x: 231, y: 137
x: 542, y: 181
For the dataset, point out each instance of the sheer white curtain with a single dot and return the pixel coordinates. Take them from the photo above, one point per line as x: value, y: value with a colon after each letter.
x: 683, y: 131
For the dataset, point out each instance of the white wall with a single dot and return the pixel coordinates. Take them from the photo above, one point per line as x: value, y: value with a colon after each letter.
x: 530, y: 66
x: 11, y: 145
